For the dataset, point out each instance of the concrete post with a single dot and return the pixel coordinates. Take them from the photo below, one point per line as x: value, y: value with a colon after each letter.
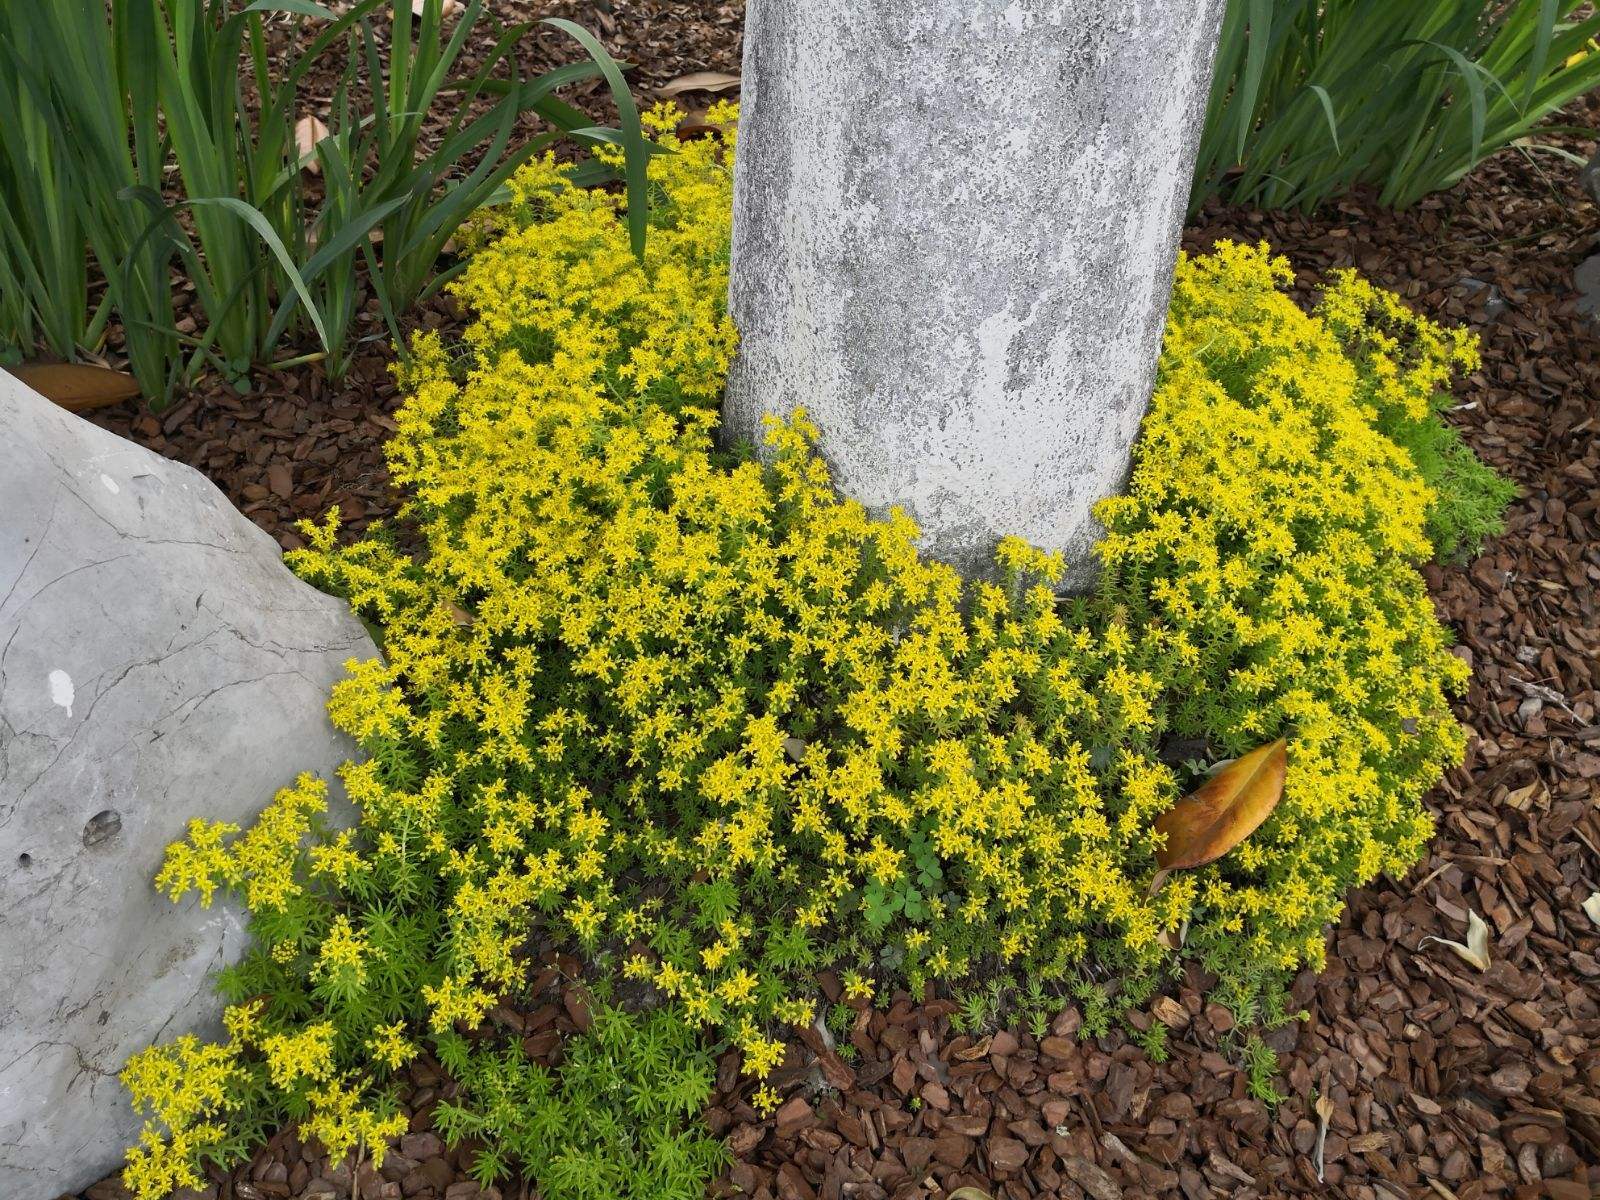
x: 954, y: 231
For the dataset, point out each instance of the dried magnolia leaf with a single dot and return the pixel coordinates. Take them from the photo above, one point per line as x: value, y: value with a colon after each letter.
x: 1225, y: 810
x: 1476, y: 951
x: 308, y: 131
x: 77, y: 387
x: 699, y: 81
x: 1592, y: 907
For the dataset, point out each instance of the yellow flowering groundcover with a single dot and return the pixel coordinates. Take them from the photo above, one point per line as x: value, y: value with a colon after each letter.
x: 686, y: 708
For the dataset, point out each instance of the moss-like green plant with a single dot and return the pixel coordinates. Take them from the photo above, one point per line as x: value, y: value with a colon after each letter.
x: 617, y: 1120
x: 1469, y: 498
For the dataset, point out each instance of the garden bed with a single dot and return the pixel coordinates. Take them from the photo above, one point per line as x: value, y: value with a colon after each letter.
x: 1440, y: 1077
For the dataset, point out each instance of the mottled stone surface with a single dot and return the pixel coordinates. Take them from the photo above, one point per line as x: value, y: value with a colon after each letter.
x: 1587, y: 279
x: 954, y: 231
x: 157, y: 662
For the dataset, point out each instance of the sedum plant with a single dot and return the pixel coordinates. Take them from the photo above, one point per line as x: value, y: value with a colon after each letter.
x: 693, y: 714
x: 612, y: 1122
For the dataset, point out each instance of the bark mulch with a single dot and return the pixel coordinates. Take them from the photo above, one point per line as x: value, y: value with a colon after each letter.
x: 1439, y: 1080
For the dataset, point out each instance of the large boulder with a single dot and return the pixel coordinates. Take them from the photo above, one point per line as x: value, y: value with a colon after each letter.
x: 157, y: 662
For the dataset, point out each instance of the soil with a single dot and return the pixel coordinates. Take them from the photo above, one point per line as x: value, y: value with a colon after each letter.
x: 1438, y: 1079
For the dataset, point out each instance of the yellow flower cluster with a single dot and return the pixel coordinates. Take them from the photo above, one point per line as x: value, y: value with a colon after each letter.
x: 1269, y: 532
x: 262, y: 862
x: 656, y: 696
x: 190, y: 1090
x: 187, y: 1087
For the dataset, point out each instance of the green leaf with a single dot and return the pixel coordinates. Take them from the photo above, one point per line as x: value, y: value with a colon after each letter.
x: 632, y: 132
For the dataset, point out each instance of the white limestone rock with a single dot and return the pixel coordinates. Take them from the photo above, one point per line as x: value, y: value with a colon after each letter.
x: 953, y: 239
x: 157, y: 662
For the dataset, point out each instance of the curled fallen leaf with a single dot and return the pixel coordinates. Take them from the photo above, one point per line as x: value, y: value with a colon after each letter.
x: 1173, y: 939
x: 308, y: 131
x: 77, y: 387
x: 1324, y: 1115
x: 1592, y: 907
x: 699, y: 81
x: 1223, y: 811
x: 1475, y: 952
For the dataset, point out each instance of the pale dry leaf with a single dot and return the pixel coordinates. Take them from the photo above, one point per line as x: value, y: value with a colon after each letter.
x: 1174, y: 939
x: 1324, y: 1108
x: 1592, y: 907
x: 1475, y: 953
x: 699, y: 81
x: 970, y: 1193
x: 794, y: 748
x: 447, y: 9
x: 308, y: 131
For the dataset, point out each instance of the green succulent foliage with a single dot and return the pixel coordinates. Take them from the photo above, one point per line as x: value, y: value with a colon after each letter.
x: 1154, y: 1042
x: 618, y: 1119
x: 1470, y: 497
x: 1261, y: 1065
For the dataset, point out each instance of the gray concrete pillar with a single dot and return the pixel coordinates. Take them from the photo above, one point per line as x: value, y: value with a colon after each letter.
x: 954, y: 231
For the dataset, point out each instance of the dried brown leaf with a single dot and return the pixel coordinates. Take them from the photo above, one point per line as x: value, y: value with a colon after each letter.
x: 77, y: 387
x: 699, y: 81
x: 1225, y: 810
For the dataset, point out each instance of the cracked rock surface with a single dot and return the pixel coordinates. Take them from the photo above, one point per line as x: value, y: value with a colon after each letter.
x: 157, y: 662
